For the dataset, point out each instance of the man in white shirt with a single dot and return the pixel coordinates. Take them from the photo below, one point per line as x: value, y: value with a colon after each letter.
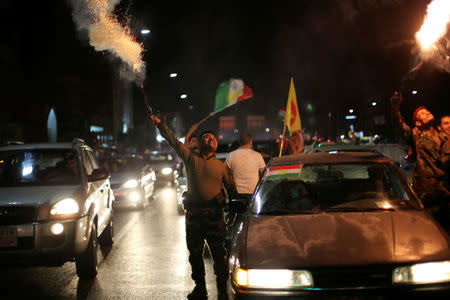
x: 246, y: 165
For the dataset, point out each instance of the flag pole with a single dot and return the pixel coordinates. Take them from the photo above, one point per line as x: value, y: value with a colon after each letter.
x: 282, y: 139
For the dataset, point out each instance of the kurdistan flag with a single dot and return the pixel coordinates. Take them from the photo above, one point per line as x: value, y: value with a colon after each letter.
x: 284, y: 171
x: 292, y: 117
x: 231, y: 92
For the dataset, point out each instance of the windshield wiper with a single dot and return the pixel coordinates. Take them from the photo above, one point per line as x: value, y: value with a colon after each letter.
x: 288, y: 212
x: 349, y: 208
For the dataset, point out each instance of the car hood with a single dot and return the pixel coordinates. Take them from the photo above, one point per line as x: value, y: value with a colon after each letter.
x: 122, y: 177
x: 36, y: 195
x: 343, y: 239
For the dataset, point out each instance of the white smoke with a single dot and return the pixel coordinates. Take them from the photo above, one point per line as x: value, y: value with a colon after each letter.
x: 105, y: 33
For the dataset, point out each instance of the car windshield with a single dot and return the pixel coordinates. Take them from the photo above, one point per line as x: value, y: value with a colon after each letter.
x: 42, y: 167
x: 125, y: 164
x: 331, y: 188
x: 159, y: 157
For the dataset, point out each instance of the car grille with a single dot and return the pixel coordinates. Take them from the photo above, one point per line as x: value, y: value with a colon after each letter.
x: 23, y: 243
x: 353, y: 277
x: 17, y: 215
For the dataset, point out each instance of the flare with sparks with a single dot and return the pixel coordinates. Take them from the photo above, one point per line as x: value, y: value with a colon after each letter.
x: 429, y: 39
x: 106, y: 33
x: 435, y: 24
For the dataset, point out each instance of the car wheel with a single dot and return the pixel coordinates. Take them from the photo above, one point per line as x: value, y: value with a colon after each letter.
x: 86, y: 264
x: 107, y: 237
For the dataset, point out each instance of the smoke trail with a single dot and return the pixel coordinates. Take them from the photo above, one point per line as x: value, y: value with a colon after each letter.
x: 106, y: 33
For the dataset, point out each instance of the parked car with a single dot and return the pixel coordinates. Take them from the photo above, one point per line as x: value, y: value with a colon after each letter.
x: 132, y: 180
x: 164, y: 163
x: 337, y: 225
x: 55, y: 204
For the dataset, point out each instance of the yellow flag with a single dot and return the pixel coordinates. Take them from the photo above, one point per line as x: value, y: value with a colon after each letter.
x: 292, y: 118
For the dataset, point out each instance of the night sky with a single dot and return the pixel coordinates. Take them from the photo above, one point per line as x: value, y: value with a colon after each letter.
x: 341, y: 53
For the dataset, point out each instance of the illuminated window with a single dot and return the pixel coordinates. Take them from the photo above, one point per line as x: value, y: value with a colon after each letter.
x: 227, y: 123
x: 255, y: 122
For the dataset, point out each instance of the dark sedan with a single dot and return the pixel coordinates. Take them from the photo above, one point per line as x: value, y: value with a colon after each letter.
x: 337, y: 225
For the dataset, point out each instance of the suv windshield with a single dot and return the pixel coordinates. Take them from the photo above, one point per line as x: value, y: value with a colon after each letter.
x: 40, y: 167
x: 331, y: 188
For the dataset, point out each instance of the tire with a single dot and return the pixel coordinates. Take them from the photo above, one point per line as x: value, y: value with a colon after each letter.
x: 107, y: 237
x: 86, y: 264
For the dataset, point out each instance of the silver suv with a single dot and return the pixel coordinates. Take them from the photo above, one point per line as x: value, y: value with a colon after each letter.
x: 55, y: 205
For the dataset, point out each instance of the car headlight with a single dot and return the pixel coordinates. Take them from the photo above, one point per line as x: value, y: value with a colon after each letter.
x: 132, y: 183
x: 273, y: 279
x: 166, y: 171
x: 432, y: 272
x: 66, y: 206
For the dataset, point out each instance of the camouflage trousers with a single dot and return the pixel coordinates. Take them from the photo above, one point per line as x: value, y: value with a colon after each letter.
x: 209, y: 226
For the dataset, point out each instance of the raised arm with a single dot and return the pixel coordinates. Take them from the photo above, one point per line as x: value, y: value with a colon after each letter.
x: 181, y: 149
x: 397, y: 118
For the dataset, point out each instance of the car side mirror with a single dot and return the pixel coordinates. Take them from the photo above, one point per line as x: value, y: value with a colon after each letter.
x: 99, y: 174
x: 238, y: 205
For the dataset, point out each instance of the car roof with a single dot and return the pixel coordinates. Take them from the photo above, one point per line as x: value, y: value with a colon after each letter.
x: 37, y: 146
x: 119, y: 156
x: 32, y: 146
x: 329, y: 158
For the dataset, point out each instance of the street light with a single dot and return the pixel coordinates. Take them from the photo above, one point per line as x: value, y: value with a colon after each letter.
x: 374, y: 103
x: 414, y: 92
x: 183, y: 96
x: 145, y: 31
x: 350, y: 110
x: 173, y: 75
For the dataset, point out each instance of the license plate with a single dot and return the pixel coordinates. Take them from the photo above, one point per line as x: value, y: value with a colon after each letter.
x: 8, y: 237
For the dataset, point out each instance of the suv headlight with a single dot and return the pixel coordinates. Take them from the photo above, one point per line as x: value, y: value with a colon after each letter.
x: 132, y: 183
x: 433, y: 272
x: 273, y: 279
x: 166, y: 171
x: 64, y: 207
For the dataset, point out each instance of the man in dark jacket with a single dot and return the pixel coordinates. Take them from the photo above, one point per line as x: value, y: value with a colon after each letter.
x: 428, y: 146
x: 204, y: 204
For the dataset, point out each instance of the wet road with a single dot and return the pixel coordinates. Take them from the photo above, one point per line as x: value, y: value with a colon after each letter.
x: 149, y: 260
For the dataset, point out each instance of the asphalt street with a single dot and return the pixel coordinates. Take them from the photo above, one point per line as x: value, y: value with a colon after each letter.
x: 149, y: 260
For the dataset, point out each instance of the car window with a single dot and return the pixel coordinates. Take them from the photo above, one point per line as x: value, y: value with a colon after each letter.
x: 160, y: 157
x: 319, y: 188
x: 125, y: 164
x: 92, y: 159
x: 41, y: 167
x: 86, y: 162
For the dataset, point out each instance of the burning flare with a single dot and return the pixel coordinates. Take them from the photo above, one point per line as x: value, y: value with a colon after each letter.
x: 435, y: 24
x: 106, y: 33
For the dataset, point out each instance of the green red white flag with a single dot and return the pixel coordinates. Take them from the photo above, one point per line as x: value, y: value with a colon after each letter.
x: 284, y: 171
x: 231, y: 92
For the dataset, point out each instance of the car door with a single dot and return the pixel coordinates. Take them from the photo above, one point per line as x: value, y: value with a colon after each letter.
x: 100, y: 190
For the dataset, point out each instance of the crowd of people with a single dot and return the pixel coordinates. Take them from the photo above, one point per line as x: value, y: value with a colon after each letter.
x: 210, y: 181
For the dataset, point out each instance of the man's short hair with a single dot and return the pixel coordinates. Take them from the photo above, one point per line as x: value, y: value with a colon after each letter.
x: 206, y: 132
x: 191, y: 137
x: 245, y: 139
